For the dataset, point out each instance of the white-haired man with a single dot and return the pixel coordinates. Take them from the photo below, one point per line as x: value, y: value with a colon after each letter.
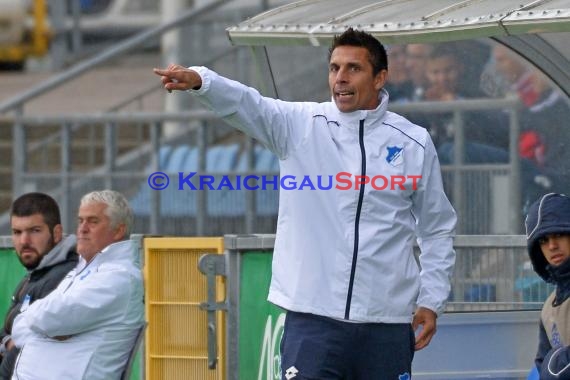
x: 86, y: 328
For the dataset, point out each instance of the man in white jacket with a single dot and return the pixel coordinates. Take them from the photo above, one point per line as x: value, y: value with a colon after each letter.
x: 86, y: 328
x: 343, y: 264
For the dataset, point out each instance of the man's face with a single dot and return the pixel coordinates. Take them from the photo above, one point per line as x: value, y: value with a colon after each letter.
x: 555, y: 248
x: 416, y: 56
x: 508, y: 65
x: 33, y: 239
x: 443, y: 73
x: 352, y: 84
x: 397, y: 58
x: 94, y: 231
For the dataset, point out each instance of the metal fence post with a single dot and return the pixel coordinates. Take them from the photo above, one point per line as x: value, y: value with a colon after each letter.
x: 201, y: 196
x: 110, y: 153
x: 459, y: 154
x: 250, y: 196
x: 64, y: 174
x: 212, y: 265
x: 515, y: 208
x: 155, y: 195
x: 18, y: 152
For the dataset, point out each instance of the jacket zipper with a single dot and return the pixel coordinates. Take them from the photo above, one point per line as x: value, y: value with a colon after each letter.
x: 14, y: 310
x: 356, y: 220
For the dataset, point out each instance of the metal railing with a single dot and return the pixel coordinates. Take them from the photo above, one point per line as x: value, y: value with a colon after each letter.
x: 494, y: 273
x: 116, y: 166
x: 487, y: 280
x: 58, y: 168
x: 16, y: 103
x: 459, y: 169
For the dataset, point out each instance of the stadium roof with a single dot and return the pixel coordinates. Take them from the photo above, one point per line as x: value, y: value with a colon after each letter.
x: 315, y: 22
x: 536, y: 29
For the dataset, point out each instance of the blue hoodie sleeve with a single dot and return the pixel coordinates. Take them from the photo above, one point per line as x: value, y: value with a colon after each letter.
x: 543, y: 346
x: 556, y: 364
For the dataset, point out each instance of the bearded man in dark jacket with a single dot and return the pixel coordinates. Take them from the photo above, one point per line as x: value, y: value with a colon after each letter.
x: 38, y: 240
x: 548, y: 241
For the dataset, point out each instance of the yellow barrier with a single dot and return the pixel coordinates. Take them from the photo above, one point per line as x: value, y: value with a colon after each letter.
x: 176, y: 337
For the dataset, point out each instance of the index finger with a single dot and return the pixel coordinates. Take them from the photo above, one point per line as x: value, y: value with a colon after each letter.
x: 162, y: 72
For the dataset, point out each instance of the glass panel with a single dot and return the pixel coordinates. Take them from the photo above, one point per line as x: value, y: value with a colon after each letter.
x: 497, y: 122
x: 505, y: 100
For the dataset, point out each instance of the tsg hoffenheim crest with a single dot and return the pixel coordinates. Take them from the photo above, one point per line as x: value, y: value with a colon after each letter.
x: 395, y: 155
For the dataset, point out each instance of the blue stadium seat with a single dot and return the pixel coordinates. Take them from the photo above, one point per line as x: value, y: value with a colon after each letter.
x: 220, y: 160
x: 228, y: 202
x: 164, y: 156
x: 224, y: 202
x: 267, y: 201
x: 266, y: 161
x: 141, y: 201
x: 175, y: 202
x: 172, y: 201
x: 183, y: 159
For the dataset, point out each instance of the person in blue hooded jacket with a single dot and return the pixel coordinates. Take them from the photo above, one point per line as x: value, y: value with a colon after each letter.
x: 548, y: 242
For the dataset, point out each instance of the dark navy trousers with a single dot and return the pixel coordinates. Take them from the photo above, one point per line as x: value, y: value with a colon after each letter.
x: 315, y: 347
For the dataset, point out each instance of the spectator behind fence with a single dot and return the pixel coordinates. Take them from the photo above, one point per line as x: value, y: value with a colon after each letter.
x: 37, y: 236
x: 86, y: 328
x: 548, y: 241
x: 343, y: 263
x: 486, y: 132
x: 444, y: 70
x: 416, y: 57
x: 398, y: 84
x: 544, y: 137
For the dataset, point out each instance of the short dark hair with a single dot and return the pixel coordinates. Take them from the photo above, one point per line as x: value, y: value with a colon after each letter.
x: 449, y: 49
x: 376, y: 50
x: 37, y: 203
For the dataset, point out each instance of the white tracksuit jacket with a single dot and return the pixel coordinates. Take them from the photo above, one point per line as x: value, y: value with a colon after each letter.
x: 99, y: 306
x: 348, y: 254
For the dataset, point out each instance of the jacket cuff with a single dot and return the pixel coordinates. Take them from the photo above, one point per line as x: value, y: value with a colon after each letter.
x: 201, y: 70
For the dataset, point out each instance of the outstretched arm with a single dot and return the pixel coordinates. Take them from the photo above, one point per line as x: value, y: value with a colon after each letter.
x: 279, y: 125
x: 177, y: 77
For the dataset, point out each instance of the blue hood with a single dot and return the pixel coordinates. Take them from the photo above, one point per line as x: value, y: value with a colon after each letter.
x: 550, y: 214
